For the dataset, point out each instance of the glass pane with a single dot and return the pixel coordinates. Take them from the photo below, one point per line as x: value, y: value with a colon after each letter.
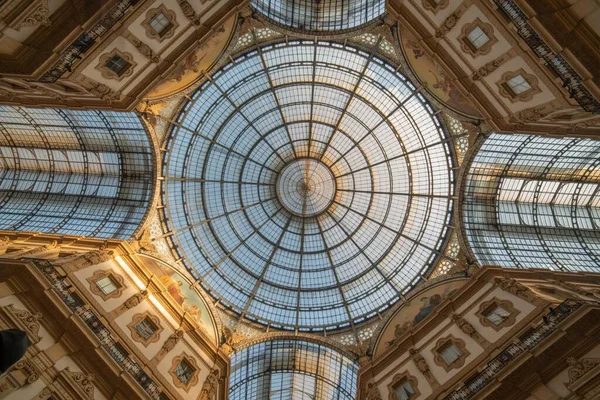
x: 477, y: 37
x: 450, y: 353
x: 146, y: 328
x: 107, y: 285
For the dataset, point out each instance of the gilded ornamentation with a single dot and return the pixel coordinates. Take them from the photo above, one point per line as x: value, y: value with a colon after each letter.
x: 30, y: 321
x: 29, y: 369
x: 210, y: 386
x: 579, y: 368
x: 135, y: 299
x: 84, y: 381
x: 171, y: 342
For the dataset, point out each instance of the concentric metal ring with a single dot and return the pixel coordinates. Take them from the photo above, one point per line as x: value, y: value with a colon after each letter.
x: 305, y: 187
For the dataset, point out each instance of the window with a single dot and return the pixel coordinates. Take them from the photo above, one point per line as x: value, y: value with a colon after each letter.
x: 404, y: 390
x: 107, y: 285
x: 518, y: 85
x: 450, y: 353
x: 160, y: 23
x: 184, y: 371
x: 496, y: 314
x: 477, y: 37
x: 117, y: 64
x: 146, y: 328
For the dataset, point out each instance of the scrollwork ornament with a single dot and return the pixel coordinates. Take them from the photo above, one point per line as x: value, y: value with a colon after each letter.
x: 579, y: 368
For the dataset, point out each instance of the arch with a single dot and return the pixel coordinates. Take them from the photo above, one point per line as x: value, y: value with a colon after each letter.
x: 288, y: 368
x: 74, y: 172
x: 534, y: 202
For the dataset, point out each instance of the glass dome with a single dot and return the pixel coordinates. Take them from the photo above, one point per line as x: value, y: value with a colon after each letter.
x: 320, y: 15
x: 307, y: 185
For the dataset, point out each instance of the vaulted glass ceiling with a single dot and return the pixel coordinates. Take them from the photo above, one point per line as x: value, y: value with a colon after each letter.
x: 307, y: 185
x: 320, y: 15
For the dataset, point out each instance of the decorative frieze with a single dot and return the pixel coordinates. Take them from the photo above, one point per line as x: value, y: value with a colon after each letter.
x: 579, y: 368
x: 142, y: 47
x: 423, y: 367
x: 469, y: 330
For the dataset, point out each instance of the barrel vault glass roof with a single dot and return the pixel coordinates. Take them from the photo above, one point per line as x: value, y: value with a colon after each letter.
x: 324, y: 16
x: 368, y: 154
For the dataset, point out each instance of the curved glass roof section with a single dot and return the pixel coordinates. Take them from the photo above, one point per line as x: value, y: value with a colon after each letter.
x: 534, y: 202
x: 291, y: 369
x: 74, y: 172
x: 320, y: 16
x: 307, y: 185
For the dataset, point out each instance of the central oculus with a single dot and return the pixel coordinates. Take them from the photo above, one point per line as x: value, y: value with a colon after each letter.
x: 306, y: 187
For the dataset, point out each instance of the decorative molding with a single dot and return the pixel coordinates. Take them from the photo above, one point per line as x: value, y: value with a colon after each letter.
x: 29, y: 369
x: 169, y: 344
x: 470, y: 330
x: 466, y: 44
x: 168, y: 31
x: 38, y: 13
x: 513, y: 287
x: 99, y: 90
x: 398, y: 379
x: 142, y: 47
x: 137, y: 318
x: 82, y: 381
x: 211, y: 385
x: 84, y: 260
x: 580, y: 368
x: 192, y: 363
x: 189, y: 12
x: 131, y: 302
x: 460, y: 345
x: 434, y: 7
x: 506, y: 305
x: 423, y: 367
x: 371, y: 393
x: 117, y: 279
x: 25, y: 320
x: 450, y: 22
x: 506, y: 92
x: 110, y: 74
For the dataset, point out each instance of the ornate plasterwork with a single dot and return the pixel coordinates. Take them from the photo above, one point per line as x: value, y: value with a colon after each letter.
x: 83, y: 381
x: 423, y: 367
x: 460, y: 345
x: 434, y: 6
x: 138, y: 318
x: 38, y: 13
x: 192, y: 363
x: 506, y: 92
x: 168, y: 31
x: 25, y: 320
x: 513, y: 287
x: 211, y: 385
x: 399, y: 378
x: 506, y: 305
x: 579, y: 368
x: 109, y: 73
x: 466, y: 44
x: 117, y: 279
x: 469, y: 329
